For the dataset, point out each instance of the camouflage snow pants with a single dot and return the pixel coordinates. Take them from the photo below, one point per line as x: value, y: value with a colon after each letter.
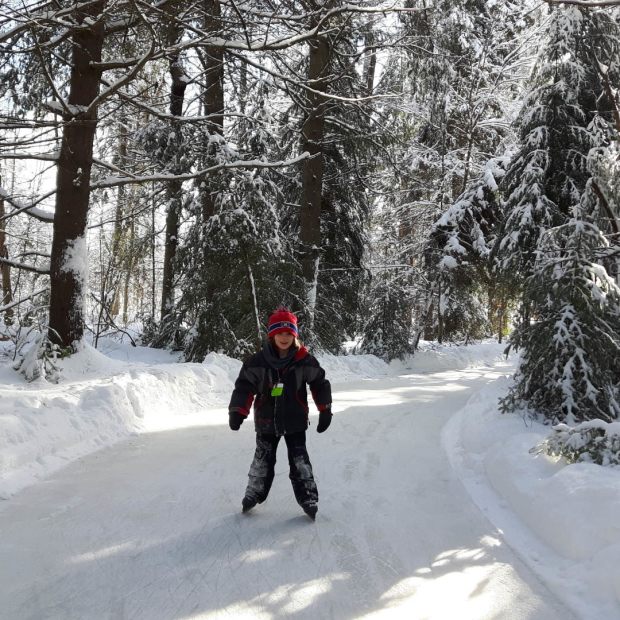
x: 262, y: 470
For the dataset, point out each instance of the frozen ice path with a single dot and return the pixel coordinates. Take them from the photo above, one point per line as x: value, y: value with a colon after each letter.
x: 151, y: 528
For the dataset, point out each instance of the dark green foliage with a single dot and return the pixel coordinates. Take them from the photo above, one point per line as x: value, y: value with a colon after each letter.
x: 570, y: 349
x: 459, y: 252
x: 238, y: 267
x: 168, y: 146
x: 387, y: 330
x: 569, y: 328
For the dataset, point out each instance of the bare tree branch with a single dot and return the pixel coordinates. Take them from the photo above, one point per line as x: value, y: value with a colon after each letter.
x: 587, y: 3
x: 39, y: 214
x: 241, y: 163
x: 38, y: 156
x: 23, y: 300
x: 43, y: 270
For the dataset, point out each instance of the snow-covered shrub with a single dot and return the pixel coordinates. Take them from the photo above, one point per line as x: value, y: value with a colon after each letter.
x: 167, y: 333
x: 594, y: 441
x: 36, y: 357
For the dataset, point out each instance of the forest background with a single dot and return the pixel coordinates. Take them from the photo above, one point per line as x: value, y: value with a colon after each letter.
x: 436, y: 169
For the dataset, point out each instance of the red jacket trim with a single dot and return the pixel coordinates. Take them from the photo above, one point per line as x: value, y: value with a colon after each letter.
x: 301, y: 353
x: 245, y: 411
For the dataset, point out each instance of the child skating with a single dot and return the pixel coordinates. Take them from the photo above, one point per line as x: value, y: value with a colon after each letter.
x: 275, y: 379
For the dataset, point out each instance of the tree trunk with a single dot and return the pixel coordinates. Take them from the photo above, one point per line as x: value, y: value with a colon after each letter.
x: 213, y: 97
x: 130, y: 263
x: 170, y: 248
x: 7, y: 293
x: 313, y: 132
x: 243, y: 87
x: 153, y: 252
x: 214, y: 74
x: 69, y: 250
x: 116, y: 255
x: 501, y: 319
x: 370, y: 63
x: 439, y: 316
x: 174, y: 188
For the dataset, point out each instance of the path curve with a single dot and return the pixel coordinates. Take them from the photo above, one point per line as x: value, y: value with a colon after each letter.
x: 151, y: 529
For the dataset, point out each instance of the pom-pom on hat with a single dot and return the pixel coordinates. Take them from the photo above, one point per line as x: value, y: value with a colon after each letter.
x: 281, y: 321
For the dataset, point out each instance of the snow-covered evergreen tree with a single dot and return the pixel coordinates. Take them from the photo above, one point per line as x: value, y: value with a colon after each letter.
x: 570, y: 352
x: 464, y: 65
x: 460, y: 245
x: 387, y: 329
x: 568, y: 335
x: 549, y: 173
x: 349, y: 148
x: 237, y: 263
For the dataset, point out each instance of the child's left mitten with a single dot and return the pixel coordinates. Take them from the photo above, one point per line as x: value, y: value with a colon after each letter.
x: 235, y: 420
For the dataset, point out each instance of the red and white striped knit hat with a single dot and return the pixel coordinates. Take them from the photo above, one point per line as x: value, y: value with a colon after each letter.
x: 282, y: 320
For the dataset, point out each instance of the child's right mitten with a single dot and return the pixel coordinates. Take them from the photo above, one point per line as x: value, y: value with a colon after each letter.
x: 325, y: 419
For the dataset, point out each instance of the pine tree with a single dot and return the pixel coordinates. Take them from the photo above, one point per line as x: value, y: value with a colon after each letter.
x: 550, y: 171
x: 571, y: 350
x: 552, y: 241
x: 348, y: 143
x: 462, y: 64
x: 460, y: 245
x: 237, y: 263
x: 386, y: 311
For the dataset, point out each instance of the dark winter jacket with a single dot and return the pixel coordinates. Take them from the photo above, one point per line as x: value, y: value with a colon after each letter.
x: 287, y: 413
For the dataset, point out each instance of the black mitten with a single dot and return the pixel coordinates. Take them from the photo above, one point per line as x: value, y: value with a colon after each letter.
x: 235, y: 420
x: 325, y: 419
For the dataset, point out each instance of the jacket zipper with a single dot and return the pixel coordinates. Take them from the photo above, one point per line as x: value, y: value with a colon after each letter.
x: 275, y: 408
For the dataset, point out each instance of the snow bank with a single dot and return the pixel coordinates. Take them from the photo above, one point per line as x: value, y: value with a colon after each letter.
x: 342, y: 368
x: 561, y: 518
x: 98, y: 402
x: 102, y: 399
x: 433, y: 357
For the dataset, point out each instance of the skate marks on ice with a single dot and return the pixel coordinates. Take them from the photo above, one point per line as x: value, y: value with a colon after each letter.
x: 151, y: 529
x: 413, y: 539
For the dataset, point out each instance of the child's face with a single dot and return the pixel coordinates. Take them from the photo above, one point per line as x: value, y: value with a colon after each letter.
x: 284, y: 340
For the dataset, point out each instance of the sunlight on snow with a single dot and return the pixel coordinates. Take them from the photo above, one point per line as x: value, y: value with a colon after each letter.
x: 391, y: 396
x: 457, y: 594
x: 257, y: 555
x: 287, y: 599
x: 106, y: 552
x: 368, y: 398
x: 445, y: 387
x: 302, y: 597
x: 471, y: 592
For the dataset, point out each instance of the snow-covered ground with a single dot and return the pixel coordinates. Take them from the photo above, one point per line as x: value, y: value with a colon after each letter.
x: 563, y: 519
x: 149, y: 526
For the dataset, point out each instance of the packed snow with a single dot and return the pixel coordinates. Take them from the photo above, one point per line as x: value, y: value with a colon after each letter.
x: 122, y: 486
